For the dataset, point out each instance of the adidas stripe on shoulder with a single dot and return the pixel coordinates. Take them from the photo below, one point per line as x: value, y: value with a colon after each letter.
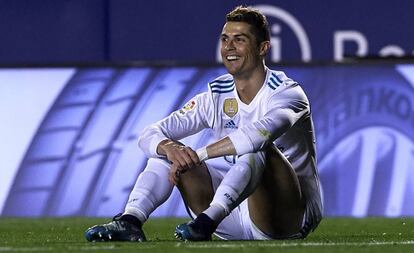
x: 222, y: 84
x: 278, y: 78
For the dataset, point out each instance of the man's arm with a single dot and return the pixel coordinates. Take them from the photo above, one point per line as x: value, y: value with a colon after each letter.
x: 177, y: 153
x: 284, y: 111
x: 181, y: 157
x: 220, y: 148
x: 192, y: 118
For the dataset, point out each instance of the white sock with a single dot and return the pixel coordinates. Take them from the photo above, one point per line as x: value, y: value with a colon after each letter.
x: 239, y: 182
x: 150, y: 191
x: 216, y: 212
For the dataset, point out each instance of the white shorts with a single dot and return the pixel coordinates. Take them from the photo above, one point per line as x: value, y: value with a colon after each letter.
x: 238, y: 225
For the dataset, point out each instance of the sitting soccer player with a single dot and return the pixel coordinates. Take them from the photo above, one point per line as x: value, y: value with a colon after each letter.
x: 263, y: 126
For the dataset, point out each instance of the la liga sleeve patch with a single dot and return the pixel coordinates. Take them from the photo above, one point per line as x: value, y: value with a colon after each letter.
x: 188, y: 107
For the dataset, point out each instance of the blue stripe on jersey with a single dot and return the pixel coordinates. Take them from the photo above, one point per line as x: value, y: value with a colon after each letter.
x: 230, y: 88
x: 221, y: 90
x: 220, y: 86
x: 277, y: 78
x: 220, y: 81
x: 272, y: 84
x: 274, y: 81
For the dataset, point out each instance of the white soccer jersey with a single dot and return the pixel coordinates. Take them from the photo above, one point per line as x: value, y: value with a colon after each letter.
x: 279, y: 113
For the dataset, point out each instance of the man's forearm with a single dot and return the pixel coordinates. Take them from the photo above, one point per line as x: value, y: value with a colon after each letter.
x: 163, y: 145
x: 220, y: 148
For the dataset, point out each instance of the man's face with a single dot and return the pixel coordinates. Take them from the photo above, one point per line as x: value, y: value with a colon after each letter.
x: 239, y: 50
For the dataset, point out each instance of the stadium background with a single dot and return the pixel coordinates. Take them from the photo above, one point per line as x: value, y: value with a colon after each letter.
x: 79, y: 80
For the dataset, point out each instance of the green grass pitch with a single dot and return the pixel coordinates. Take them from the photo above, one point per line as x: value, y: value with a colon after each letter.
x: 333, y: 235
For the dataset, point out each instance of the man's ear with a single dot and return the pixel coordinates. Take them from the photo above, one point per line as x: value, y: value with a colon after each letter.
x: 264, y: 48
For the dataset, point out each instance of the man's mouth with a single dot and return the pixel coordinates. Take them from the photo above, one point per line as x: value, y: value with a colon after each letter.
x: 232, y: 57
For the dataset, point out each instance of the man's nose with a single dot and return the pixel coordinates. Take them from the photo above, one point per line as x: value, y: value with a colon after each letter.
x: 229, y: 45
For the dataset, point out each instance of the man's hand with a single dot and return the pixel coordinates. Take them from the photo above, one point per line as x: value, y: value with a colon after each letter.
x: 182, y: 158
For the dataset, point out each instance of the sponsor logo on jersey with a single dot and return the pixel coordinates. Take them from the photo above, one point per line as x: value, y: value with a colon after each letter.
x: 230, y: 107
x: 188, y: 107
x: 231, y: 125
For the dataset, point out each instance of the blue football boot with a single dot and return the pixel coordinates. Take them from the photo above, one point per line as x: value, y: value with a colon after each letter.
x: 199, y: 229
x: 116, y: 230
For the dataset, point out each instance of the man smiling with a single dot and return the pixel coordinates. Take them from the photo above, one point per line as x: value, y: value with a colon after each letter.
x: 263, y: 126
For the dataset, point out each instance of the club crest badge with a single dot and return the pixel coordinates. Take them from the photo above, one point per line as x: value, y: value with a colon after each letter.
x: 230, y: 107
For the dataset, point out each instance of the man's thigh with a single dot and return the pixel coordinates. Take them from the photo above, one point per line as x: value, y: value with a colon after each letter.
x: 277, y: 207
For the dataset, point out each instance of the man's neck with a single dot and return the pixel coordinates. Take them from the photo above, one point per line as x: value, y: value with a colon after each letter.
x: 248, y: 86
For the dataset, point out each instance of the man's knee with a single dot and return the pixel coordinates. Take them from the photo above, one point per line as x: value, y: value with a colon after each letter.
x: 256, y: 163
x: 196, y: 188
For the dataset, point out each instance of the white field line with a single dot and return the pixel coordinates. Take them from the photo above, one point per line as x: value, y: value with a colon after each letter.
x: 29, y: 249
x: 285, y: 245
x: 25, y: 249
x: 215, y: 245
x: 73, y: 248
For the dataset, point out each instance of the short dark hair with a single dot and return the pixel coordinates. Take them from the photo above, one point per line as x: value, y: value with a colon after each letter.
x: 253, y: 17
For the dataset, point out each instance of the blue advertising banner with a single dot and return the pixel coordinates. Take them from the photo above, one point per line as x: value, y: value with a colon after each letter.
x: 300, y: 31
x: 127, y: 30
x: 83, y: 158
